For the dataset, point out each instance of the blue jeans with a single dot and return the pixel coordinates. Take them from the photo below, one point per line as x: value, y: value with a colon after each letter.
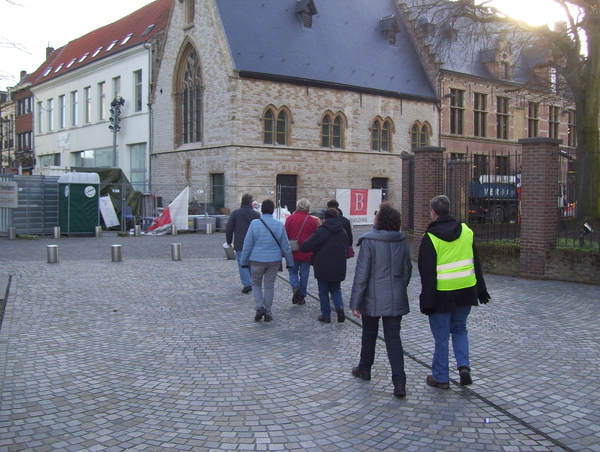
x: 244, y: 272
x: 442, y: 326
x: 325, y: 288
x: 299, y: 275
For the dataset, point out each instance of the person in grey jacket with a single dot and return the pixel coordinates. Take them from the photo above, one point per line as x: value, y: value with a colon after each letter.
x: 383, y: 271
x: 264, y: 245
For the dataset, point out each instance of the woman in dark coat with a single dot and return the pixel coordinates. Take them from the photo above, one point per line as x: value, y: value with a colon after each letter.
x: 383, y: 271
x: 329, y: 244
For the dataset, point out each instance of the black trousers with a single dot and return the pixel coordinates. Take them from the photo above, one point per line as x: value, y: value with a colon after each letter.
x: 393, y: 345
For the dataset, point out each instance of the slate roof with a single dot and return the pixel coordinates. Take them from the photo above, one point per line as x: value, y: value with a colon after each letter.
x: 140, y: 26
x: 345, y: 46
x: 464, y: 46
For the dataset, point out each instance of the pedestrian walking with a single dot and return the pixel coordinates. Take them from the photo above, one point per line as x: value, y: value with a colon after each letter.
x: 265, y: 244
x: 299, y: 226
x: 451, y: 283
x: 329, y: 244
x: 379, y: 291
x: 345, y: 221
x: 235, y: 233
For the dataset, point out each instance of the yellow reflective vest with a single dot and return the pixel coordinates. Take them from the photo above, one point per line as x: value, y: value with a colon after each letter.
x: 455, y: 265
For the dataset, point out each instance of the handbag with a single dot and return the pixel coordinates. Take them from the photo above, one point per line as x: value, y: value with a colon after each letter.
x: 280, y: 269
x: 294, y: 242
x: 349, y: 252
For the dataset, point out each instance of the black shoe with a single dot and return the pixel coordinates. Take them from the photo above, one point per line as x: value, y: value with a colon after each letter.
x: 400, y: 390
x: 247, y: 289
x: 361, y: 374
x: 341, y: 315
x: 268, y: 318
x: 259, y: 314
x: 296, y: 296
x: 324, y: 319
x: 301, y: 300
x: 465, y: 376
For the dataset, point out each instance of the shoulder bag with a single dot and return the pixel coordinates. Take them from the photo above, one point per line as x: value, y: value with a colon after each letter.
x: 294, y: 242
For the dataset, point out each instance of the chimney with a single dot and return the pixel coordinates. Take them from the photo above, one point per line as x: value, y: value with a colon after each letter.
x: 49, y: 51
x: 23, y: 75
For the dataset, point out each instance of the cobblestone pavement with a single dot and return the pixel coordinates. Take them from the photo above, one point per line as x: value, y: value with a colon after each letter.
x: 153, y: 354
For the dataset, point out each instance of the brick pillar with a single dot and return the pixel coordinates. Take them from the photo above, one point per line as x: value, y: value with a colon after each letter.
x: 407, y: 202
x: 429, y: 182
x: 458, y: 179
x: 539, y: 215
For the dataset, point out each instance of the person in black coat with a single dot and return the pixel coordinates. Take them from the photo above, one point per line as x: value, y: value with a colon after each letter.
x: 329, y: 245
x: 235, y: 233
x: 345, y: 221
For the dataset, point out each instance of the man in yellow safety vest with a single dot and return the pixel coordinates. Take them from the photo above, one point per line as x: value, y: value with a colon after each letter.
x: 451, y: 282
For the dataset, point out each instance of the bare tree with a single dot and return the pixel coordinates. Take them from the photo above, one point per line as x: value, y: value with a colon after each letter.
x: 567, y: 61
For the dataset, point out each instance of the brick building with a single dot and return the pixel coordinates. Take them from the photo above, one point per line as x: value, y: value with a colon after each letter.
x: 308, y: 95
x: 491, y: 92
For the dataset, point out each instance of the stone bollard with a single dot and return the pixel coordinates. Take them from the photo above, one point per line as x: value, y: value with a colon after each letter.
x: 12, y: 233
x: 116, y: 253
x: 52, y: 254
x: 176, y: 251
x: 98, y: 231
x: 56, y: 232
x: 173, y: 229
x: 137, y: 230
x: 209, y: 228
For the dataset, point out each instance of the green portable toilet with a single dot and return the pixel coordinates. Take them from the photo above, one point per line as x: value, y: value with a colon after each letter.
x: 78, y: 203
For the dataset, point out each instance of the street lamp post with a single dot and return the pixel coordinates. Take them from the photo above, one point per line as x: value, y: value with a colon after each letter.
x: 115, y: 119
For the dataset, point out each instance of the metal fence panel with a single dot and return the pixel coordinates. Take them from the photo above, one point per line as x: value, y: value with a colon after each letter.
x: 37, y: 211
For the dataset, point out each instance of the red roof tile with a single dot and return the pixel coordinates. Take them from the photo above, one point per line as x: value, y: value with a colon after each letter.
x: 71, y: 56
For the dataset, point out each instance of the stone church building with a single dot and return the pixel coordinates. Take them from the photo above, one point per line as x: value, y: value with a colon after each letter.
x: 287, y: 99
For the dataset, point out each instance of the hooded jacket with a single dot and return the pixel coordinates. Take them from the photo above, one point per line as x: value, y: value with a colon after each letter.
x: 383, y: 271
x: 431, y: 300
x: 329, y: 244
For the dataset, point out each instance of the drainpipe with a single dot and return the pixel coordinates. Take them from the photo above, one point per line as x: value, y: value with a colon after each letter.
x: 148, y: 47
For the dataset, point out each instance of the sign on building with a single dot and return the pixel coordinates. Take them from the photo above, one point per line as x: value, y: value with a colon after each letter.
x: 359, y: 205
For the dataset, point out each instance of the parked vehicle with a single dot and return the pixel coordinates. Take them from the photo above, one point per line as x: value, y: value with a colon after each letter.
x: 495, y: 199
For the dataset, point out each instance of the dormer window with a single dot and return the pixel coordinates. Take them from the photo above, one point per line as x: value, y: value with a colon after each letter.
x: 305, y: 10
x: 59, y: 68
x: 389, y: 27
x: 83, y: 57
x: 112, y: 44
x: 71, y: 62
x: 451, y: 34
x: 97, y: 51
x: 47, y: 71
x: 427, y: 27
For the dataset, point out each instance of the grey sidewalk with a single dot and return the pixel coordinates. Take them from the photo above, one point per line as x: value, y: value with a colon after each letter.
x: 153, y: 354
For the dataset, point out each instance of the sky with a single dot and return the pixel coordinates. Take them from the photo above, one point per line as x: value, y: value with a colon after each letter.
x: 29, y: 26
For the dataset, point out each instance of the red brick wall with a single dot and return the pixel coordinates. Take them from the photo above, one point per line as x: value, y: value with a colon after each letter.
x: 428, y: 183
x: 539, y: 219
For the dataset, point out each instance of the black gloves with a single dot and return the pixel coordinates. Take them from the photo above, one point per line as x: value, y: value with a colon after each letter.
x: 483, y: 297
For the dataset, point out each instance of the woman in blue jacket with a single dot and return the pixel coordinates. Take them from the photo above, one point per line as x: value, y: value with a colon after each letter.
x: 264, y: 245
x: 383, y: 271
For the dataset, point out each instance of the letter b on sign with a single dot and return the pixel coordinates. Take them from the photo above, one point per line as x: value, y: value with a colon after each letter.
x: 358, y: 202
